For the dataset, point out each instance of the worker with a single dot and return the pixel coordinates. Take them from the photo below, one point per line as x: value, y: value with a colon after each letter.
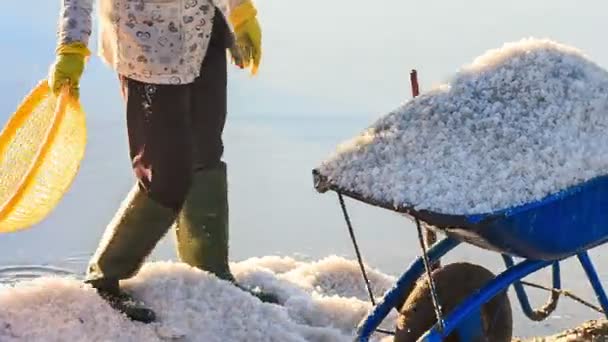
x: 171, y: 60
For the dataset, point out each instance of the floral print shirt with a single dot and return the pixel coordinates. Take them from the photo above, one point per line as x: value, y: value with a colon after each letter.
x: 152, y: 41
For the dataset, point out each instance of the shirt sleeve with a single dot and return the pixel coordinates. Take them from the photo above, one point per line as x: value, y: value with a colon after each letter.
x: 75, y: 21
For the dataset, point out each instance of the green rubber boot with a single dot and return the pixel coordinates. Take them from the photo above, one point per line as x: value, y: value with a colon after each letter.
x: 129, y: 238
x: 202, y: 227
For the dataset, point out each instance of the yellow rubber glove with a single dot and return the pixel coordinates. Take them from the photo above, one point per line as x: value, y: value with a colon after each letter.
x: 248, y: 50
x: 68, y: 68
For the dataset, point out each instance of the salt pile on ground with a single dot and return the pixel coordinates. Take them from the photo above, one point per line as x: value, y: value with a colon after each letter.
x: 322, y: 301
x: 520, y: 123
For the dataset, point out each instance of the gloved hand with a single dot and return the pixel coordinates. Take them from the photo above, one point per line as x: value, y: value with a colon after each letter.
x: 247, y: 51
x: 68, y: 68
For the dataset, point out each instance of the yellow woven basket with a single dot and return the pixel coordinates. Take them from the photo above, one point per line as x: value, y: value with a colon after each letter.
x: 41, y: 148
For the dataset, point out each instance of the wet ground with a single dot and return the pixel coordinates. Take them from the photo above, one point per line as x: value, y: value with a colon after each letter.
x: 592, y: 331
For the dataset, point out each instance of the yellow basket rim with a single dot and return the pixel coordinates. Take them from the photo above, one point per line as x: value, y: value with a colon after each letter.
x: 32, y: 100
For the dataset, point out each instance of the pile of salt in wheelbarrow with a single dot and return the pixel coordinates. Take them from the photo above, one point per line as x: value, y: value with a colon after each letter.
x: 511, y: 155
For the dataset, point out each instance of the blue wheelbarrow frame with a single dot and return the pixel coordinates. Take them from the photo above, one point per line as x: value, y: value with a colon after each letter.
x: 543, y: 233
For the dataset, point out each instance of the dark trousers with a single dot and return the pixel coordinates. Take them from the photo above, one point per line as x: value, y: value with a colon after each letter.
x: 175, y: 130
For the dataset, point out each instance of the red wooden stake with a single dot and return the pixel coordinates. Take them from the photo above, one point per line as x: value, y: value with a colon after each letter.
x: 414, y: 82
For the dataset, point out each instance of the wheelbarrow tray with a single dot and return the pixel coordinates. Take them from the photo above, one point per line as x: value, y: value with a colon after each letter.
x: 558, y: 226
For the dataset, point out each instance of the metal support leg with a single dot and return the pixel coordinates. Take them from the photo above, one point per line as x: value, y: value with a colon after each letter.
x: 594, y: 279
x: 544, y: 312
x: 484, y: 295
x: 380, y: 311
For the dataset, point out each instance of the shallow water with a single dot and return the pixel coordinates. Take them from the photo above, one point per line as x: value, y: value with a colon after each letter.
x: 12, y: 275
x: 274, y: 211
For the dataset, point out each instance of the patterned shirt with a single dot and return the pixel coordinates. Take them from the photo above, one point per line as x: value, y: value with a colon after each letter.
x: 152, y: 41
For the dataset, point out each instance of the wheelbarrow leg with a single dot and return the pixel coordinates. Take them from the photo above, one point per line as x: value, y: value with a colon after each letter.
x: 542, y: 313
x: 416, y: 269
x: 485, y: 294
x: 585, y: 261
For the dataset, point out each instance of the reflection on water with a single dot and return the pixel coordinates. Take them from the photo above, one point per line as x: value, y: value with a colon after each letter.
x: 10, y: 275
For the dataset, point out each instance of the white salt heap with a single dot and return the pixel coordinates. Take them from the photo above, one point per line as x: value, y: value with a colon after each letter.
x: 521, y: 122
x: 321, y: 301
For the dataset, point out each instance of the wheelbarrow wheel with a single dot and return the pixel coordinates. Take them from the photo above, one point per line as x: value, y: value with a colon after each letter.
x: 454, y: 283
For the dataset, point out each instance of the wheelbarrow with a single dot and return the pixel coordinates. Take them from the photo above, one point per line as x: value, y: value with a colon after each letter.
x: 543, y: 233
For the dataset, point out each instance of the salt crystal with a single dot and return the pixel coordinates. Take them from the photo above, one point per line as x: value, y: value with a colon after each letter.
x: 518, y: 124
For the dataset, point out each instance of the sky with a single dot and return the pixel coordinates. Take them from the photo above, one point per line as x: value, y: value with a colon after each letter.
x: 358, y: 54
